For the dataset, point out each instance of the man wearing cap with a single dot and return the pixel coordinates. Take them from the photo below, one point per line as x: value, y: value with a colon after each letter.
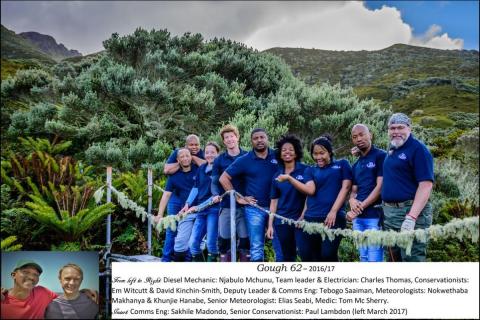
x: 407, y: 184
x: 26, y: 300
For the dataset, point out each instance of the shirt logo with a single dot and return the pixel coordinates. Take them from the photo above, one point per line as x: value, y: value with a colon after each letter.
x: 370, y: 165
x: 336, y: 167
x: 299, y: 177
x: 402, y: 156
x: 274, y: 161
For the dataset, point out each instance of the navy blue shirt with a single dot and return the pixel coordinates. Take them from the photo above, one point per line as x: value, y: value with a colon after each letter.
x: 173, y: 157
x: 365, y: 172
x: 290, y: 200
x: 256, y: 173
x: 220, y: 164
x: 404, y: 168
x: 180, y: 183
x: 202, y: 183
x: 328, y: 183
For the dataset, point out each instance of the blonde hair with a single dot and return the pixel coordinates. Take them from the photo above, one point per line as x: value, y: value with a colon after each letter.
x: 73, y: 266
x: 229, y: 128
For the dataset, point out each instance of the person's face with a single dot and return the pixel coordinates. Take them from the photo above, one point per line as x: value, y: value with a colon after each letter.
x: 193, y: 145
x: 210, y: 153
x: 230, y: 140
x: 321, y: 155
x: 26, y: 278
x: 398, y: 134
x: 184, y: 158
x: 361, y: 138
x: 287, y: 152
x: 70, y: 280
x: 259, y: 141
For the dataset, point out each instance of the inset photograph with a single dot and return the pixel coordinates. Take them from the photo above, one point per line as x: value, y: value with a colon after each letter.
x: 49, y: 285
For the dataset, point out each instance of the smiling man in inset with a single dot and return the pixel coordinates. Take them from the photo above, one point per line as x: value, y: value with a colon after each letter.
x: 73, y: 304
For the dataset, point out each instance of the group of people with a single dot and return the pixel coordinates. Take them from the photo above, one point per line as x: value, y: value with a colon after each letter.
x: 385, y: 190
x: 27, y: 300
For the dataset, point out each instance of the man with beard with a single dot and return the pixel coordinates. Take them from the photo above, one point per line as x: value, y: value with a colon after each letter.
x: 256, y: 168
x: 366, y: 188
x: 407, y: 184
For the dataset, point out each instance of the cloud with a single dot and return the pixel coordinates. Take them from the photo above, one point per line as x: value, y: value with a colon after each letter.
x: 432, y: 38
x: 349, y: 27
x: 336, y: 25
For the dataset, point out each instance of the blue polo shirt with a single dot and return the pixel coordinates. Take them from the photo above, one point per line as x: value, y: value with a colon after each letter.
x: 180, y: 183
x: 365, y: 172
x: 256, y: 173
x: 290, y: 200
x: 202, y: 183
x: 220, y: 164
x: 173, y: 157
x: 404, y: 168
x: 328, y: 183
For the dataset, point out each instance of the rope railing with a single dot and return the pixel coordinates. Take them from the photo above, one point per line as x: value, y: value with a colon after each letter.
x: 462, y: 229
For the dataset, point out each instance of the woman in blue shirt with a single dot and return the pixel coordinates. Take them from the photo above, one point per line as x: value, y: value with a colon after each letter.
x: 285, y: 199
x: 327, y: 185
x: 207, y: 219
x: 180, y: 183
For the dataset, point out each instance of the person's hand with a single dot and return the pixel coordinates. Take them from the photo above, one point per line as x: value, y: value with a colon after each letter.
x: 283, y: 177
x: 330, y: 219
x: 157, y: 219
x: 3, y: 293
x: 216, y: 199
x: 355, y: 151
x: 92, y: 294
x: 269, y: 232
x: 408, y: 224
x: 356, y: 206
x: 247, y: 200
x: 299, y: 220
x: 184, y: 209
x: 191, y: 210
x: 351, y: 215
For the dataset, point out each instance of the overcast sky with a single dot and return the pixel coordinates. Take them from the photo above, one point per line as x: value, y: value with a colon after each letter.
x: 83, y: 25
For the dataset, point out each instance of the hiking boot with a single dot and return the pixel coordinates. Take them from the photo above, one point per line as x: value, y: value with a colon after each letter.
x: 244, y: 255
x: 212, y: 257
x: 226, y: 257
x: 198, y: 258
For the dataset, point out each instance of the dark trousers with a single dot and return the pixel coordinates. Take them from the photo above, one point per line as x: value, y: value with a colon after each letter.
x: 312, y: 248
x: 286, y: 238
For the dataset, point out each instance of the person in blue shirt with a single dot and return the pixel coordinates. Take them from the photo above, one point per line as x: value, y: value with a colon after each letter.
x: 206, y: 220
x: 407, y: 185
x: 256, y: 168
x: 192, y: 143
x: 230, y: 137
x: 285, y: 199
x: 327, y: 185
x: 179, y: 184
x: 367, y: 184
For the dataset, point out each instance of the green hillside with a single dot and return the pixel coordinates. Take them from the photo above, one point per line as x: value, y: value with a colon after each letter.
x: 407, y: 78
x: 128, y: 106
x: 16, y: 47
